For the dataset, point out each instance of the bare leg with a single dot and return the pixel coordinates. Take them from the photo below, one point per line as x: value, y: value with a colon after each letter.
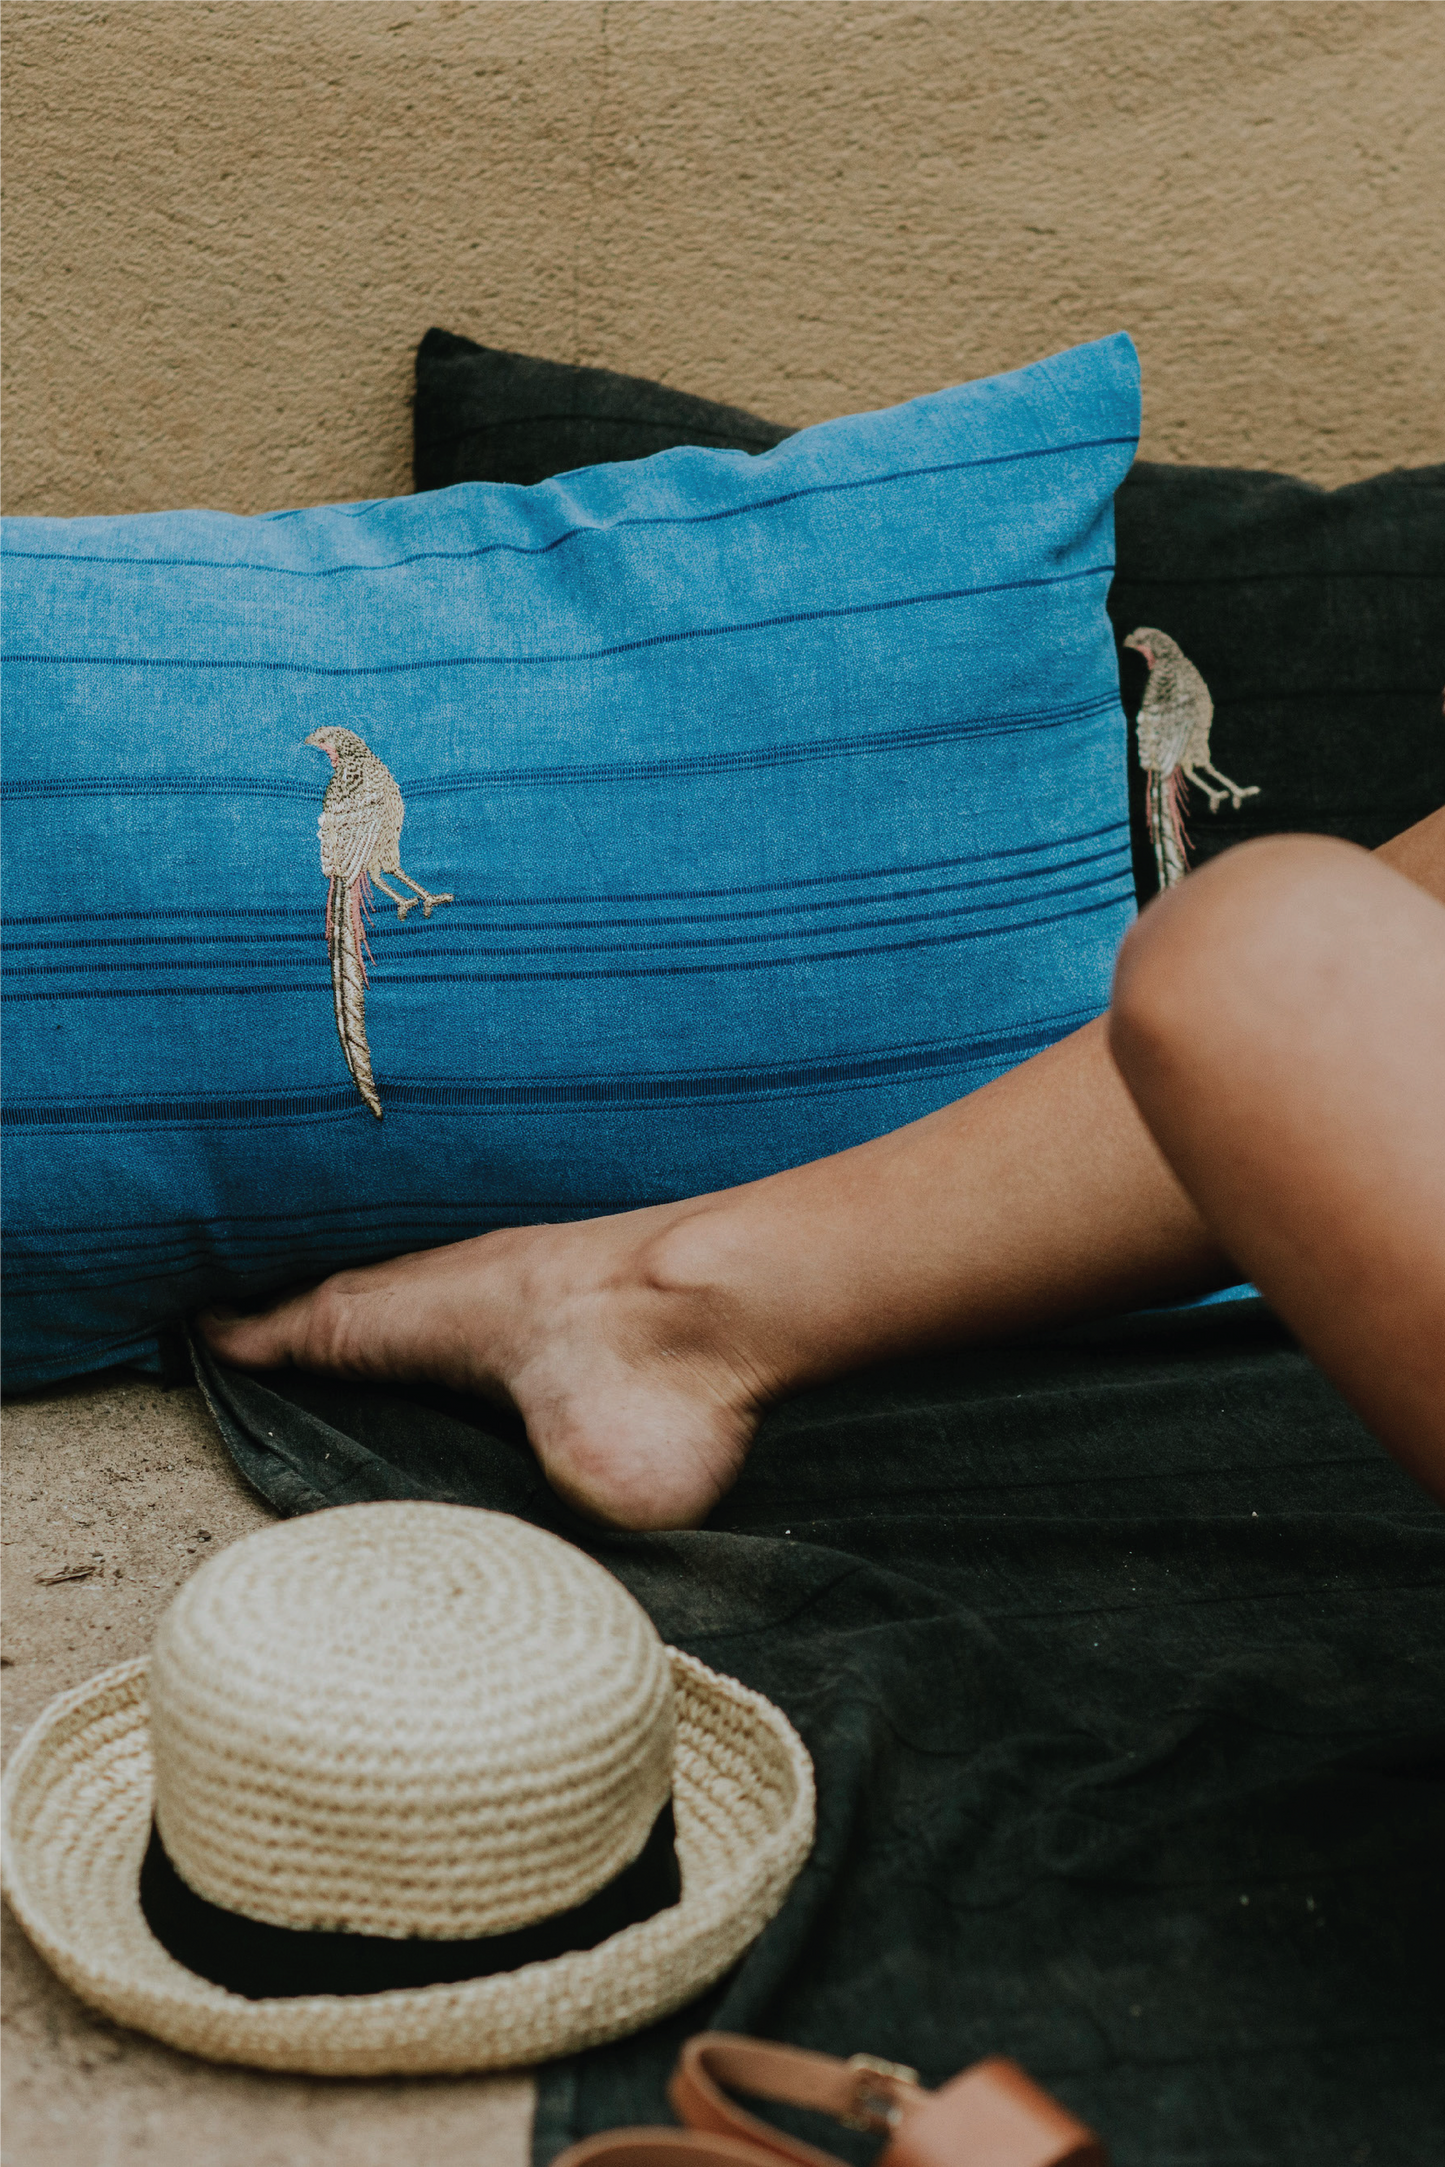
x: 1280, y: 1021
x: 640, y: 1349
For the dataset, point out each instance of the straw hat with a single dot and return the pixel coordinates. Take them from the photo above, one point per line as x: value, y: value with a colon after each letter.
x: 399, y: 1743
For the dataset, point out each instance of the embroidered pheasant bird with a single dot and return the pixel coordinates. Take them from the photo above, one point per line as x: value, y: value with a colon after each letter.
x: 360, y: 830
x: 1174, y: 721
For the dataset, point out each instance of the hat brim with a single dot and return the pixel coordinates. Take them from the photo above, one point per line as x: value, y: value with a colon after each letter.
x: 76, y: 1819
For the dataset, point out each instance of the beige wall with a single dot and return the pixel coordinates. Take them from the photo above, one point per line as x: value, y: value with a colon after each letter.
x: 228, y: 221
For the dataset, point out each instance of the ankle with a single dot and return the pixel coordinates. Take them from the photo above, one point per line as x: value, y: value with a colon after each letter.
x: 697, y: 1269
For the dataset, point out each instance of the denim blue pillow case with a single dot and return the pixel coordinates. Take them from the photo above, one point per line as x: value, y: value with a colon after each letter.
x: 752, y: 806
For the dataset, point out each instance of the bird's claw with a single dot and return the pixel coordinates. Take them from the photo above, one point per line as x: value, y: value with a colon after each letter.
x: 426, y: 908
x: 403, y: 908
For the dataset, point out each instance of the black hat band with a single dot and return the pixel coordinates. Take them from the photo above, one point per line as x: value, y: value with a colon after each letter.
x: 264, y: 1962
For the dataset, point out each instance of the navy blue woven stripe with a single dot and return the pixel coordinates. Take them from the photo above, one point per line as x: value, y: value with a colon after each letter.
x: 893, y: 871
x: 447, y: 935
x: 253, y: 1249
x: 202, y: 1268
x: 429, y: 1206
x: 454, y: 951
x: 383, y: 935
x: 598, y: 527
x: 206, y: 1272
x: 451, y: 950
x: 503, y: 978
x: 976, y: 729
x: 1121, y: 885
x: 446, y: 944
x: 762, y: 756
x: 539, y: 1093
x: 231, y: 1249
x: 577, y: 654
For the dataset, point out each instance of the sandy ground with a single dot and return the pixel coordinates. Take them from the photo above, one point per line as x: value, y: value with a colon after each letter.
x: 131, y: 1486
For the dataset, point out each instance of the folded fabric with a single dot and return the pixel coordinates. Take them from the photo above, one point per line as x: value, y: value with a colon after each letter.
x: 1316, y: 617
x: 753, y: 806
x: 485, y: 415
x: 1120, y: 1657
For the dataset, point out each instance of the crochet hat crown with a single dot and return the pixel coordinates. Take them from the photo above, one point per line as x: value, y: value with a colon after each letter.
x: 402, y: 1788
x: 406, y: 1720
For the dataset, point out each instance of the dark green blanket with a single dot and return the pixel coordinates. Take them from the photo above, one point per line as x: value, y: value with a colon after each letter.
x: 1121, y: 1658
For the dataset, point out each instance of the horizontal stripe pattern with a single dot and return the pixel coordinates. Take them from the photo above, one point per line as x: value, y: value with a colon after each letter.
x: 584, y: 775
x: 262, y: 1249
x: 273, y: 666
x: 460, y: 952
x: 604, y: 899
x: 533, y: 1093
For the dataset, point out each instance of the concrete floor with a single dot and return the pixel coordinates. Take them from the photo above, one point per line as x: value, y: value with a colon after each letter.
x: 132, y: 1485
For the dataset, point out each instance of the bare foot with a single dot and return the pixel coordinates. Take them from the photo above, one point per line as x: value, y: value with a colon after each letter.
x: 638, y: 1398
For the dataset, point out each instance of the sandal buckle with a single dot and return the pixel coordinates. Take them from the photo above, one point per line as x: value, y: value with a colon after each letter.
x: 875, y: 2104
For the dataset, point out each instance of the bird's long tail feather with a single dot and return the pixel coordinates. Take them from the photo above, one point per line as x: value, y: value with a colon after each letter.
x: 346, y: 942
x: 1166, y: 825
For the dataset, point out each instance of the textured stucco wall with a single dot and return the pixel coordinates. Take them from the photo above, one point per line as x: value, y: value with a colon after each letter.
x: 227, y: 224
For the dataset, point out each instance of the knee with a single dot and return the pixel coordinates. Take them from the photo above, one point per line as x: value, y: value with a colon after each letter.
x: 1236, y: 947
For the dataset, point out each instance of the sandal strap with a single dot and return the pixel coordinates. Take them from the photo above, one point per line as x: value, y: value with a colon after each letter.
x: 864, y: 2092
x: 990, y: 2116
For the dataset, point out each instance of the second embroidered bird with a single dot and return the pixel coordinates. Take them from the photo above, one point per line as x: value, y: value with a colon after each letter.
x: 360, y: 834
x: 1174, y: 720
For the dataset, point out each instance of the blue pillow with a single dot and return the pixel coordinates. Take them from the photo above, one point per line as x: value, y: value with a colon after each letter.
x: 753, y: 806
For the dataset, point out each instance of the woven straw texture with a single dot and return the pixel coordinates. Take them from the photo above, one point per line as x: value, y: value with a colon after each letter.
x: 82, y: 1786
x: 406, y: 1719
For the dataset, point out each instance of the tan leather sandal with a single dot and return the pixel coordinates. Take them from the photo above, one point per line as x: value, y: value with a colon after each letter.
x: 991, y: 2116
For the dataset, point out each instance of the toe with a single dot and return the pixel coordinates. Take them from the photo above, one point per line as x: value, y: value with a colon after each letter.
x: 300, y: 1331
x: 257, y: 1342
